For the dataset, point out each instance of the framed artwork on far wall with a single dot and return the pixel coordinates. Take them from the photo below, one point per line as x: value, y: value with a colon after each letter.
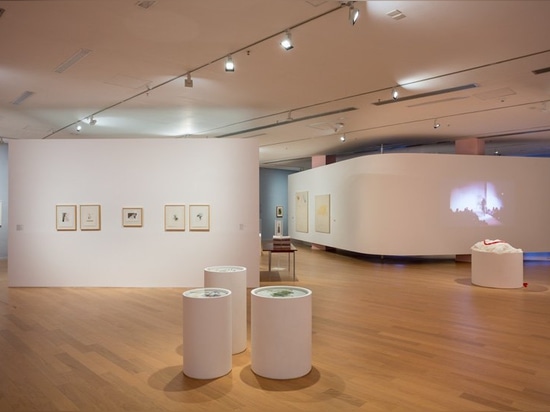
x: 174, y: 217
x: 90, y: 217
x: 199, y: 217
x: 65, y: 217
x: 278, y: 211
x: 132, y: 216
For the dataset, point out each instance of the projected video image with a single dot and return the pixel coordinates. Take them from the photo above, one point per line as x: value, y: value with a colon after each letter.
x: 478, y: 203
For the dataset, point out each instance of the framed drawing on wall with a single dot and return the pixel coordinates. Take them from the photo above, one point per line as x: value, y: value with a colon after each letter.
x: 65, y: 217
x: 174, y: 217
x: 278, y: 227
x: 322, y: 213
x: 278, y: 211
x: 132, y: 216
x: 199, y: 217
x: 90, y: 217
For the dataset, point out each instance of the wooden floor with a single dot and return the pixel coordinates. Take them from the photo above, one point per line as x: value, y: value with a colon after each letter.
x: 388, y: 335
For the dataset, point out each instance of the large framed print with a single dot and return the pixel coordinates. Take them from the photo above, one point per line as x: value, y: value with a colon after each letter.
x: 132, y: 217
x: 90, y: 217
x: 65, y: 217
x: 174, y: 217
x: 322, y: 213
x: 199, y: 217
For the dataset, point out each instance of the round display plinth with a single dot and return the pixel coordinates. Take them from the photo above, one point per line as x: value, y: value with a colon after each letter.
x: 281, y: 328
x: 232, y: 278
x: 497, y: 270
x: 206, y: 333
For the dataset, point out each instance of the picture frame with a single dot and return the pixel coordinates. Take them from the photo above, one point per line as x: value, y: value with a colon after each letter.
x: 174, y: 218
x: 278, y: 227
x: 65, y: 217
x: 199, y: 217
x: 132, y: 216
x: 90, y: 217
x: 279, y: 211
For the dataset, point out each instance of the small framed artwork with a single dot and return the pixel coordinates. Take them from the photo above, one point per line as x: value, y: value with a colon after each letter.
x: 90, y: 217
x: 199, y: 217
x: 174, y: 217
x: 65, y: 217
x: 278, y: 227
x: 278, y: 211
x: 132, y: 216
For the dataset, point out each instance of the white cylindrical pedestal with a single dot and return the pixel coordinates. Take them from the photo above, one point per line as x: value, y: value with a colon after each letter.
x: 281, y: 331
x: 497, y: 270
x: 232, y: 278
x: 206, y: 333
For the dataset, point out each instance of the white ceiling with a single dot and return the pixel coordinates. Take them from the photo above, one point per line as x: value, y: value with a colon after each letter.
x: 297, y: 103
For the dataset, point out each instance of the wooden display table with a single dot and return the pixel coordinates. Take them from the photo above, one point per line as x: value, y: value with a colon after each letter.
x: 290, y: 250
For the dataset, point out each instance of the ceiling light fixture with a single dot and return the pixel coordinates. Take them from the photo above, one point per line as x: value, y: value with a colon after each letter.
x: 343, y: 138
x: 229, y: 65
x: 436, y: 124
x: 188, y: 81
x: 91, y: 120
x: 78, y: 127
x: 286, y: 43
x: 394, y: 94
x: 353, y: 14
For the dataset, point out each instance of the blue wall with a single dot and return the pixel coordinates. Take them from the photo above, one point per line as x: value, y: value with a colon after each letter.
x: 273, y: 193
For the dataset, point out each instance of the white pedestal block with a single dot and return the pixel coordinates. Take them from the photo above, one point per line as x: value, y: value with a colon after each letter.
x: 234, y: 279
x: 206, y: 333
x: 497, y: 270
x: 281, y: 329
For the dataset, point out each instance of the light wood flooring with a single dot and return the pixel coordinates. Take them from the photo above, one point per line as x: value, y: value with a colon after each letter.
x: 388, y: 335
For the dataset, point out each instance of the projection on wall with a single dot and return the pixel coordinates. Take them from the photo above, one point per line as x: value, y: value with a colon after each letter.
x: 479, y: 203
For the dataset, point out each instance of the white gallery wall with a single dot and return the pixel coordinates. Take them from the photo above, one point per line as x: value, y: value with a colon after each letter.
x: 422, y: 204
x: 137, y: 173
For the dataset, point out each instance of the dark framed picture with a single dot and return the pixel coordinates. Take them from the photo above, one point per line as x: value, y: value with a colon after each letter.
x: 278, y: 211
x: 132, y: 217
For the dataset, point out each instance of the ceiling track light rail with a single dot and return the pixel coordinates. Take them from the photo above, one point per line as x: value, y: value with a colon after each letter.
x: 299, y: 119
x: 427, y: 94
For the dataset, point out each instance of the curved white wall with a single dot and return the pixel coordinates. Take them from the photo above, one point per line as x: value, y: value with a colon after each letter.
x: 143, y: 173
x: 400, y: 204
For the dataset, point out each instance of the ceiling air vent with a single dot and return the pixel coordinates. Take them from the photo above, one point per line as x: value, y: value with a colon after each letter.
x: 24, y: 96
x: 396, y: 14
x: 145, y: 4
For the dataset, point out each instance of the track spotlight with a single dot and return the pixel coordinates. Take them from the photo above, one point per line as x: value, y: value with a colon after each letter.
x: 286, y: 43
x: 353, y: 14
x: 343, y: 138
x: 229, y: 65
x: 78, y: 127
x: 394, y: 94
x: 188, y: 81
x: 91, y: 120
x: 436, y: 124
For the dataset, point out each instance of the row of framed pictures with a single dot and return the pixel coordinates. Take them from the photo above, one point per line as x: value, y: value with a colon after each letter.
x: 174, y: 217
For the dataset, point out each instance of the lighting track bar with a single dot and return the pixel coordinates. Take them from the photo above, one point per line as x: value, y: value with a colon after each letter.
x: 541, y: 71
x: 427, y: 94
x: 288, y: 121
